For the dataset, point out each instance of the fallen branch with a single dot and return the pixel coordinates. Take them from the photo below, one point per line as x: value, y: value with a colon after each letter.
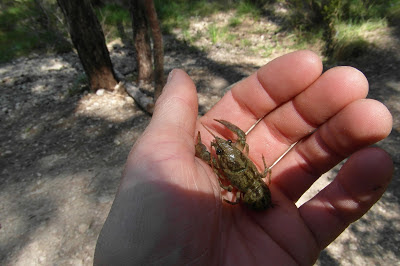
x: 142, y: 100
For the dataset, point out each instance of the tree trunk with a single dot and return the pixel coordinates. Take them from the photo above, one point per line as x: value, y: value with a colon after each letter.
x: 158, y: 51
x: 88, y: 39
x: 142, y: 41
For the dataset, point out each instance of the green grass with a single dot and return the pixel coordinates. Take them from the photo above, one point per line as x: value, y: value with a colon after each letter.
x: 234, y: 22
x: 15, y: 38
x: 246, y: 8
x: 177, y: 13
x: 20, y: 32
x: 351, y: 39
x: 214, y: 33
x: 109, y: 16
x: 266, y: 51
x: 245, y: 43
x: 16, y: 43
x: 80, y: 85
x: 112, y: 13
x: 347, y: 30
x: 349, y: 22
x: 394, y: 14
x: 361, y: 10
x: 219, y: 34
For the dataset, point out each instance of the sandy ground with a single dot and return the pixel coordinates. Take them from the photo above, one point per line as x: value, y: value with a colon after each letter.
x: 62, y: 150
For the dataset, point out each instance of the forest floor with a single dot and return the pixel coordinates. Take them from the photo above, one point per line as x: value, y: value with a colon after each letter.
x: 62, y: 150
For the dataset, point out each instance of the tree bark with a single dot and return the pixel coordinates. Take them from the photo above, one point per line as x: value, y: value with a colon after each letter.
x: 158, y: 51
x: 88, y: 39
x: 142, y: 41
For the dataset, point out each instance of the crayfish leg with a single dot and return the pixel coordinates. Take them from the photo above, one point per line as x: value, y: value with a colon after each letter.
x: 229, y: 187
x: 238, y: 195
x: 201, y: 150
x: 267, y: 171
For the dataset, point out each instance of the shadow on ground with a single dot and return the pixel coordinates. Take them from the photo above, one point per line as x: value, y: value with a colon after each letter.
x: 51, y: 153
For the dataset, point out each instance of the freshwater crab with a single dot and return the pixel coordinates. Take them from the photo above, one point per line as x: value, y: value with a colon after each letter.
x: 231, y: 162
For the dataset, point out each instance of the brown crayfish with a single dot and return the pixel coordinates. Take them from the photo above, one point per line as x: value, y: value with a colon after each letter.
x: 232, y: 163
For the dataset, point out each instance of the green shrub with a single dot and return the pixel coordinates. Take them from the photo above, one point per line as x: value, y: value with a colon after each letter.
x: 25, y: 28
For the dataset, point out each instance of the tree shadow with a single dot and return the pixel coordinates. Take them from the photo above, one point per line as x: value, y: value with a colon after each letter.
x: 45, y: 139
x: 376, y: 232
x: 394, y: 23
x: 326, y: 259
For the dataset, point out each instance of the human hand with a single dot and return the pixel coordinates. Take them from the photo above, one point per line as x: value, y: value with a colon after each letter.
x: 168, y: 209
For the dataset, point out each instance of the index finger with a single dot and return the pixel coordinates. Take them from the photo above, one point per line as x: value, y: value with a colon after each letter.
x: 272, y: 85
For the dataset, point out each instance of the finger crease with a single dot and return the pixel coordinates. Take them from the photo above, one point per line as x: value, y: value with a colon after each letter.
x: 279, y: 135
x: 286, y: 250
x: 307, y: 166
x: 244, y: 106
x: 325, y: 147
x: 245, y: 239
x: 317, y: 243
x: 307, y: 121
x: 265, y: 90
x: 332, y: 210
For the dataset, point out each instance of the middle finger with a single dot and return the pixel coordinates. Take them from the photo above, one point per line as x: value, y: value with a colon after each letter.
x: 297, y: 118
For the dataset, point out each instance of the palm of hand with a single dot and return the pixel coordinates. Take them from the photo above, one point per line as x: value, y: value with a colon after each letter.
x: 192, y: 197
x: 170, y: 201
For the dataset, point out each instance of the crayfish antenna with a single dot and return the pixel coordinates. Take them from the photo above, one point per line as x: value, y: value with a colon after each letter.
x: 209, y: 130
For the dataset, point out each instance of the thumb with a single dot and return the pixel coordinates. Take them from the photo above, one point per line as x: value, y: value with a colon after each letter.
x: 170, y: 133
x: 175, y: 112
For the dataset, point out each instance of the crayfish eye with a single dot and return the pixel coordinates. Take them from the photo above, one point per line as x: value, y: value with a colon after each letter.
x: 229, y: 141
x: 219, y: 151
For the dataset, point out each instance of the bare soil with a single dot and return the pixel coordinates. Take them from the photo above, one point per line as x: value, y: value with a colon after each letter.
x: 62, y: 150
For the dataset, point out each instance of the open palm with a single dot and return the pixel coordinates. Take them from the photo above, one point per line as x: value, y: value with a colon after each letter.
x: 169, y: 208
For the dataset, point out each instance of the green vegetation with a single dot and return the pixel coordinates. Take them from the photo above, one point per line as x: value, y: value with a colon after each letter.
x: 15, y: 35
x: 394, y: 14
x: 80, y: 85
x: 234, y: 22
x: 248, y: 8
x: 25, y: 27
x: 114, y: 20
x: 339, y: 25
x: 113, y: 14
x: 350, y: 38
x: 218, y: 34
x: 177, y: 13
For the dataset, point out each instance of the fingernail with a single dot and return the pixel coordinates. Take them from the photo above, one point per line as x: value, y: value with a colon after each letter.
x: 170, y: 75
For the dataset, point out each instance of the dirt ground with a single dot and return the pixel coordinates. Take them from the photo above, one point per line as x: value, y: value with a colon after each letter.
x: 62, y: 150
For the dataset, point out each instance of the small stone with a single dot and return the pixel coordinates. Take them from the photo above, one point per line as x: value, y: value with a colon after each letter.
x: 100, y: 92
x: 82, y: 228
x: 105, y: 199
x: 42, y: 259
x: 76, y: 262
x: 129, y: 100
